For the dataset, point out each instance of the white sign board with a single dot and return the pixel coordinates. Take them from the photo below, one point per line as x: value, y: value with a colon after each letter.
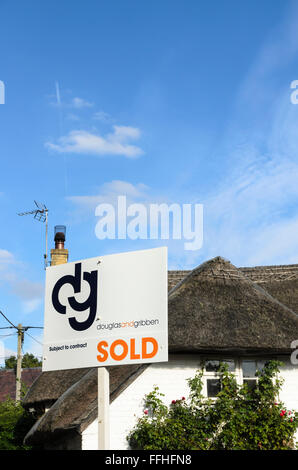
x: 108, y: 310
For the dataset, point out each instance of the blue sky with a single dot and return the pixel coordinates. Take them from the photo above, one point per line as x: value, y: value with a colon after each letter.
x: 161, y: 101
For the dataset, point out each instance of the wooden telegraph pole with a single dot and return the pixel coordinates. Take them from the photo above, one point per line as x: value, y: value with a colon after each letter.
x: 20, y: 329
x: 19, y: 362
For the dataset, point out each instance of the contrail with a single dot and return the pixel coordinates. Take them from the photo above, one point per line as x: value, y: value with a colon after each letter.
x: 58, y: 94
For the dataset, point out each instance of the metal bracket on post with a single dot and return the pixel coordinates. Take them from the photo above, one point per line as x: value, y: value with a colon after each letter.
x: 103, y: 384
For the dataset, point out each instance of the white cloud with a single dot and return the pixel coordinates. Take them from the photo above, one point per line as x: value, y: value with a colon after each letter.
x: 122, y: 133
x: 102, y: 116
x: 251, y: 216
x: 80, y: 141
x: 249, y: 219
x: 6, y: 257
x: 81, y: 103
x: 116, y: 143
x: 30, y: 306
x: 109, y: 192
x: 76, y: 102
x: 119, y: 187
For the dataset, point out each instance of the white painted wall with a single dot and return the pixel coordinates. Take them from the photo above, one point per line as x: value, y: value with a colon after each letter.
x: 171, y: 378
x: 289, y: 391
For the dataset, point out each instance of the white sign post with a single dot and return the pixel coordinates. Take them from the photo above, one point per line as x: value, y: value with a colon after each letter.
x: 103, y: 384
x: 105, y: 311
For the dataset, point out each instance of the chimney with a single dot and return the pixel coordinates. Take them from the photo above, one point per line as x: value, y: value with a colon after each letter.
x: 59, y: 255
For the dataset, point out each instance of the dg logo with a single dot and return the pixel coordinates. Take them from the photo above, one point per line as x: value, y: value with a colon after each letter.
x: 89, y: 304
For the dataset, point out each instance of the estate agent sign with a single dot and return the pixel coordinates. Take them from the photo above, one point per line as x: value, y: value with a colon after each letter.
x: 108, y: 310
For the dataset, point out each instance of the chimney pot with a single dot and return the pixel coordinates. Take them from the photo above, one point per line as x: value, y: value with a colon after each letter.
x: 59, y: 255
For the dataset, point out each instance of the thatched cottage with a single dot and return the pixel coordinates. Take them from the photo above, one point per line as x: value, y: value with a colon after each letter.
x: 244, y: 316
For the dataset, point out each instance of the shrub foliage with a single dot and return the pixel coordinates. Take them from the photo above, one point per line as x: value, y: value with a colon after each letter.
x: 15, y: 422
x: 241, y: 418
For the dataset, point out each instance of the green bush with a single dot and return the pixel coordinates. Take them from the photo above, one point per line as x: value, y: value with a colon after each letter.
x: 15, y: 422
x: 240, y: 418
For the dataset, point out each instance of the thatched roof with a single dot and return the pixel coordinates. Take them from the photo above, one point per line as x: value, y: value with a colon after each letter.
x: 214, y: 308
x: 174, y: 277
x: 76, y: 408
x: 279, y: 281
x: 51, y: 385
x: 217, y: 308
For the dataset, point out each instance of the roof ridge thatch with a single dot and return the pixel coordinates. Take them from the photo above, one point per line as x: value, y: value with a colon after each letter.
x: 217, y: 268
x: 271, y: 266
x: 217, y: 307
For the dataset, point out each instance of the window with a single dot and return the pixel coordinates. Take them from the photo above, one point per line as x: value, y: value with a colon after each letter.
x: 212, y: 382
x: 244, y: 370
x: 213, y: 366
x: 249, y: 369
x: 213, y: 387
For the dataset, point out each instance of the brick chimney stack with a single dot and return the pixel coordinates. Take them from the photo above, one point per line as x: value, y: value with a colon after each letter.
x: 59, y: 255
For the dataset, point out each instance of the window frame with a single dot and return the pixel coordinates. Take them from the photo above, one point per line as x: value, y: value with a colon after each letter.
x: 238, y: 371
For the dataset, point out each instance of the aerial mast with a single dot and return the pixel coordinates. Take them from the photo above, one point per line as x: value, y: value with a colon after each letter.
x: 40, y: 214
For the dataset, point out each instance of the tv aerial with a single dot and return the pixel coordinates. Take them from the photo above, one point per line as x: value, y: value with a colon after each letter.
x: 40, y: 214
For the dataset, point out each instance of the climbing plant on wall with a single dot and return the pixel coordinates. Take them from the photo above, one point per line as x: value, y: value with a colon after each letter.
x: 240, y: 418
